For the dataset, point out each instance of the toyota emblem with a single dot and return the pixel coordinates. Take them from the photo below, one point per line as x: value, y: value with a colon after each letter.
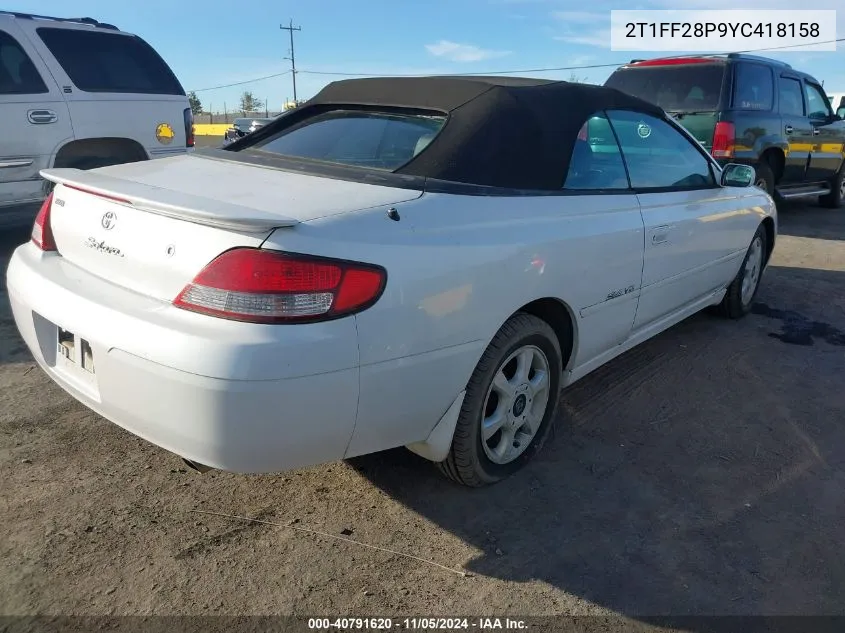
x: 109, y: 219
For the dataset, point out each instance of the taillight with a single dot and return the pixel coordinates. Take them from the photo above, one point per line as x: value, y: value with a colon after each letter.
x: 262, y: 286
x: 188, y: 115
x: 723, y: 140
x: 582, y: 134
x: 42, y: 233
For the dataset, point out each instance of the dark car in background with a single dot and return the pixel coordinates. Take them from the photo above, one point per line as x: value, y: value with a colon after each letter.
x: 751, y: 110
x: 242, y: 127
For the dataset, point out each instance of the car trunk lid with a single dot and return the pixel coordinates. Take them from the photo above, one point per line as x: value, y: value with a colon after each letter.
x: 153, y: 226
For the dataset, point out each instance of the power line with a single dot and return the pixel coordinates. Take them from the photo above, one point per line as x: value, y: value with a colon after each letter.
x: 241, y: 83
x: 519, y: 71
x: 559, y: 68
x: 291, y: 28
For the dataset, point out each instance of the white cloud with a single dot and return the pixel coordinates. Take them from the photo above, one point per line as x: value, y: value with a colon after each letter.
x: 587, y: 28
x: 581, y: 17
x: 463, y: 52
x: 600, y: 38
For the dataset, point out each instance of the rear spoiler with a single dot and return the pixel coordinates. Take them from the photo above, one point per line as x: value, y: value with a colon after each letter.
x: 172, y: 204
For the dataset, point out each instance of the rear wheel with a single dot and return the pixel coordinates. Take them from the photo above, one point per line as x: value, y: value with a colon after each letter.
x: 743, y: 289
x: 836, y: 198
x: 765, y: 178
x: 510, y: 401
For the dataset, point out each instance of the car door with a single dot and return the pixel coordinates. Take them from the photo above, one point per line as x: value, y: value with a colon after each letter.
x: 796, y: 129
x: 828, y: 133
x: 35, y: 120
x: 693, y: 229
x: 602, y: 208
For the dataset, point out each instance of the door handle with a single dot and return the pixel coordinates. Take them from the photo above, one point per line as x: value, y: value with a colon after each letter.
x: 39, y: 117
x: 788, y: 129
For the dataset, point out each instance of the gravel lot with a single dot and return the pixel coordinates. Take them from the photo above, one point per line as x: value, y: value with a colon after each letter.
x: 702, y: 473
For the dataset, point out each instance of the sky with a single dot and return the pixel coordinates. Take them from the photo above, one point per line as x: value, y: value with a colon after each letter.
x: 213, y: 43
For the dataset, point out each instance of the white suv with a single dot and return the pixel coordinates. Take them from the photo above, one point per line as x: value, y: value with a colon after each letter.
x: 80, y: 93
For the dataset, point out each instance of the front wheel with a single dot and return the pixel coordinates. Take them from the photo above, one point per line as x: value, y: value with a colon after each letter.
x: 836, y: 197
x: 510, y: 401
x: 743, y: 289
x: 765, y: 178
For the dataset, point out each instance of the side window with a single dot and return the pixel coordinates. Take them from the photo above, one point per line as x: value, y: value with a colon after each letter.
x: 18, y: 75
x: 818, y: 106
x: 658, y: 155
x: 596, y: 162
x: 789, y: 95
x: 753, y: 87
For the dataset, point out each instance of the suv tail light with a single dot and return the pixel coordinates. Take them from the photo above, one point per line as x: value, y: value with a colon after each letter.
x: 188, y: 115
x: 723, y: 140
x: 42, y: 233
x: 263, y: 286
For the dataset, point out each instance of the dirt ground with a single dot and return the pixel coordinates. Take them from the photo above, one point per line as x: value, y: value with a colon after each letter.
x: 702, y: 473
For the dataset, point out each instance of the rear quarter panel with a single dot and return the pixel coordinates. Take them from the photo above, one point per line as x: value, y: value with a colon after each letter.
x: 134, y: 117
x: 755, y: 133
x: 458, y: 267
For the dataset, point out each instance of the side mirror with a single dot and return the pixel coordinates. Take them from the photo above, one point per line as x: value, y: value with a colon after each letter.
x: 735, y: 175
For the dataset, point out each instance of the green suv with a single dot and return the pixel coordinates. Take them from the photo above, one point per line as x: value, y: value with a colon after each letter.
x: 752, y: 110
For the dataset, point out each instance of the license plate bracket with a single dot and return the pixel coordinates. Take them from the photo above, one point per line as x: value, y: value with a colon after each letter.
x: 75, y: 350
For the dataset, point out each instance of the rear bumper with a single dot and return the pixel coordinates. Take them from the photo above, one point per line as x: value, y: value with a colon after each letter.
x: 244, y: 413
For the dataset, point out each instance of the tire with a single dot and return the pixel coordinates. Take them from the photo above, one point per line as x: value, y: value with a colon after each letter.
x: 836, y: 198
x: 737, y: 303
x: 522, y: 341
x: 765, y: 178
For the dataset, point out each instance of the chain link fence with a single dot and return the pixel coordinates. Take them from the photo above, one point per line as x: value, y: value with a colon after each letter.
x: 207, y: 118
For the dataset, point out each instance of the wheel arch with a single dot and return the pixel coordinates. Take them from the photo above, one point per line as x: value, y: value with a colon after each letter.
x: 768, y: 224
x: 559, y: 316
x: 114, y: 150
x: 561, y: 319
x: 775, y: 157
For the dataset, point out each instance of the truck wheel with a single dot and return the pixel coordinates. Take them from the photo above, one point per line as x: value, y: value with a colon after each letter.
x: 510, y: 401
x: 836, y: 197
x: 765, y: 178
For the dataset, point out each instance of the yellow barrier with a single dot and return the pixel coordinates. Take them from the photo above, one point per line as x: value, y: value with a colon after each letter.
x: 211, y: 129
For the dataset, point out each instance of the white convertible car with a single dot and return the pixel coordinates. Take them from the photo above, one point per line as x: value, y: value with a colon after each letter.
x: 419, y: 262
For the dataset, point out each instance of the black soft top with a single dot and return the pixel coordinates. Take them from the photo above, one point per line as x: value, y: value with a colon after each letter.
x: 509, y: 132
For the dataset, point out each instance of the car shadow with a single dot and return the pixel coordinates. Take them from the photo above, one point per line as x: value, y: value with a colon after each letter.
x: 699, y: 474
x: 813, y: 221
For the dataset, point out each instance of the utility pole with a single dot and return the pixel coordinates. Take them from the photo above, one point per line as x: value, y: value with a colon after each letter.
x: 291, y: 28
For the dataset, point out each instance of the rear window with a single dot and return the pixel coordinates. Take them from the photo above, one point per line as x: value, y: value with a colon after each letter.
x: 676, y: 88
x: 754, y: 87
x: 18, y: 75
x: 110, y: 62
x: 377, y: 140
x: 789, y: 94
